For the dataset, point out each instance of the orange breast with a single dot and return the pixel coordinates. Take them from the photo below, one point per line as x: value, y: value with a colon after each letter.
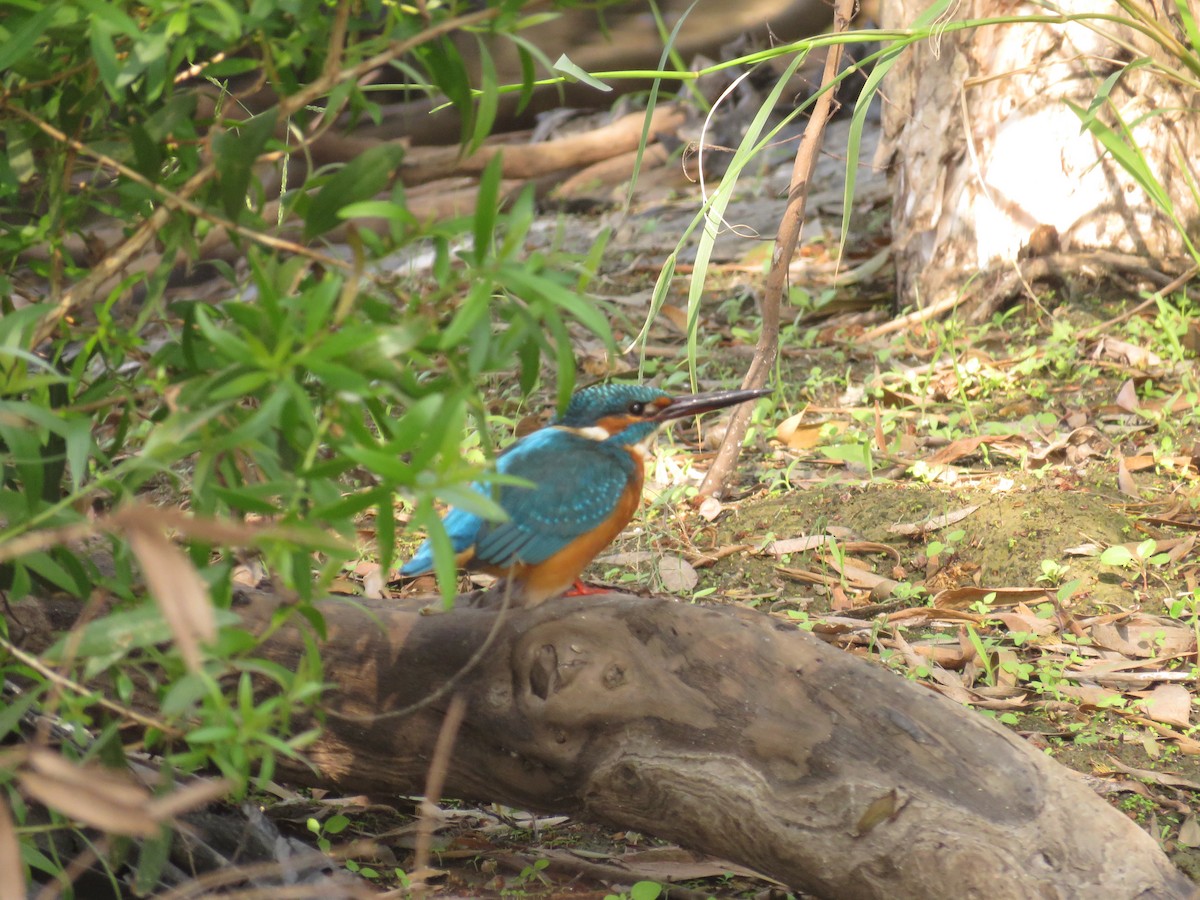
x: 552, y: 576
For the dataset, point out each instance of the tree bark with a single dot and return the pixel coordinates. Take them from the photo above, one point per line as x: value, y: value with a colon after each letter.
x: 727, y: 732
x: 984, y: 151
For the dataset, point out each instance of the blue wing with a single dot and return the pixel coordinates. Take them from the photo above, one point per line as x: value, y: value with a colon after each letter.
x: 462, y: 527
x: 578, y: 482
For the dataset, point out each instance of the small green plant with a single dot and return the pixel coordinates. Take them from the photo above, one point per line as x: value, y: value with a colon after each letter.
x: 984, y: 652
x: 909, y: 592
x: 1053, y: 573
x: 1140, y: 560
x: 641, y: 890
x: 334, y: 825
x: 534, y: 872
x: 936, y: 549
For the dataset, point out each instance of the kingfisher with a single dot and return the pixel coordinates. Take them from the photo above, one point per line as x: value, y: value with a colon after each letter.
x: 586, y: 470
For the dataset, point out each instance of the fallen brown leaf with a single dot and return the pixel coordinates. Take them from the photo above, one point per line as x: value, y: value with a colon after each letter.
x: 1125, y: 483
x: 710, y: 508
x: 968, y: 446
x: 103, y: 798
x: 962, y: 597
x: 1141, y: 635
x: 1169, y: 703
x: 677, y: 576
x: 1127, y: 398
x: 12, y: 883
x: 933, y: 523
x: 795, y: 435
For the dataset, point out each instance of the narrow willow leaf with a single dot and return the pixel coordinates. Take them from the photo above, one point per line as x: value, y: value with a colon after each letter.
x: 487, y: 203
x: 563, y: 64
x: 361, y: 179
x: 236, y: 151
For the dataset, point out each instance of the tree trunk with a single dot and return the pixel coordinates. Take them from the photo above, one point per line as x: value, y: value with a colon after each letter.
x: 724, y: 730
x: 984, y: 149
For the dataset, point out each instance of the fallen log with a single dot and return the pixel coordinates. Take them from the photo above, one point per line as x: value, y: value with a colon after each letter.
x: 726, y: 731
x: 721, y: 729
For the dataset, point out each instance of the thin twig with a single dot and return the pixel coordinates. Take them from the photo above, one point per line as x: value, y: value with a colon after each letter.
x: 75, y: 687
x: 786, y: 239
x: 435, y: 781
x: 177, y: 201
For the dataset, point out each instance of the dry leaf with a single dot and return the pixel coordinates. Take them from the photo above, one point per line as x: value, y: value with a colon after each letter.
x: 1022, y: 618
x: 797, y: 544
x: 189, y: 797
x: 934, y: 523
x: 962, y: 597
x: 632, y: 558
x: 374, y: 582
x: 1169, y: 703
x: 968, y: 446
x: 1140, y: 635
x: 175, y: 584
x: 96, y: 796
x: 1091, y: 694
x: 1125, y: 352
x: 1189, y: 832
x: 1139, y: 462
x: 12, y: 883
x: 677, y: 576
x: 1125, y: 483
x: 676, y: 315
x: 1127, y: 398
x: 797, y: 435
x: 710, y: 508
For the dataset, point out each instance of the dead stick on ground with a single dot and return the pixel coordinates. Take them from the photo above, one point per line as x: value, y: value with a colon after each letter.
x: 786, y: 240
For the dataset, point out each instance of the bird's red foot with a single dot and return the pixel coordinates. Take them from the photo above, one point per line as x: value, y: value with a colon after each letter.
x: 579, y: 589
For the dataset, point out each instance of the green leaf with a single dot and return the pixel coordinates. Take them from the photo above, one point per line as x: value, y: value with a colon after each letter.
x: 211, y: 734
x: 472, y: 310
x: 231, y: 346
x: 530, y: 287
x: 23, y: 35
x: 568, y: 68
x: 104, y: 54
x: 236, y: 152
x: 13, y: 710
x: 361, y: 179
x: 1184, y: 13
x: 467, y: 498
x: 489, y: 99
x: 77, y: 433
x: 1127, y: 155
x: 377, y: 209
x: 382, y: 463
x: 487, y: 204
x: 1117, y: 555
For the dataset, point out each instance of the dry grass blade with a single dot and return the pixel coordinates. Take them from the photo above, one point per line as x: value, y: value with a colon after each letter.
x: 99, y: 797
x: 173, y: 582
x: 187, y: 798
x: 12, y: 884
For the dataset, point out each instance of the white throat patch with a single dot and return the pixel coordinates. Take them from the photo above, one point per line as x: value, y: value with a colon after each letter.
x: 593, y: 432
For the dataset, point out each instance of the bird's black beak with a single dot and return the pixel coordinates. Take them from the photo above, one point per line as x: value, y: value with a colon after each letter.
x: 694, y: 404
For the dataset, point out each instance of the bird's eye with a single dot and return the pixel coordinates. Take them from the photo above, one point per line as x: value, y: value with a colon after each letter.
x: 636, y: 408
